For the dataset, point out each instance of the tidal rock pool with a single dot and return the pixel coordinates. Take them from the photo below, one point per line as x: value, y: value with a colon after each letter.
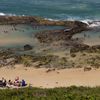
x: 91, y: 37
x: 21, y: 34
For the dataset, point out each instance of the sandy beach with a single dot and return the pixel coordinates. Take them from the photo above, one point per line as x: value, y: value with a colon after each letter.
x: 58, y: 78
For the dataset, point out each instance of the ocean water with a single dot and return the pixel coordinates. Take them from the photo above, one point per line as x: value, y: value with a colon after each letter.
x: 55, y: 9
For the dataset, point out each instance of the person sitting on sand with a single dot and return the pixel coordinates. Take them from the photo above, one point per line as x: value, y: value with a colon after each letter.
x: 17, y: 82
x: 23, y: 83
x: 17, y: 79
x: 3, y: 79
x: 10, y: 82
x: 4, y: 82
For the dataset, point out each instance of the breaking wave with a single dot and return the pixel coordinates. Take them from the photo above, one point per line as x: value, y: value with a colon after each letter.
x: 9, y: 14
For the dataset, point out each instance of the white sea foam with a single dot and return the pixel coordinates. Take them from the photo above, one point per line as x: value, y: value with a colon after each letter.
x: 9, y: 14
x: 2, y: 14
x: 87, y: 21
x: 92, y: 23
x: 50, y: 19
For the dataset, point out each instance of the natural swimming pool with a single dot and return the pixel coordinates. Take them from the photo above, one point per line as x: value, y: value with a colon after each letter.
x: 21, y: 34
x: 91, y: 37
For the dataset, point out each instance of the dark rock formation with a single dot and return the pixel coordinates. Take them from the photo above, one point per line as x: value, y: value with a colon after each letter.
x: 38, y: 21
x: 27, y: 47
x: 96, y: 47
x: 56, y: 35
x: 79, y: 47
x: 83, y: 47
x: 69, y: 24
x: 17, y: 20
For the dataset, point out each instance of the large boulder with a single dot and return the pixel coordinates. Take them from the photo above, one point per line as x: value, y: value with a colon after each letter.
x: 27, y: 47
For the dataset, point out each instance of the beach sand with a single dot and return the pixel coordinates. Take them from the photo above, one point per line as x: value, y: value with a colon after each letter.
x: 58, y: 78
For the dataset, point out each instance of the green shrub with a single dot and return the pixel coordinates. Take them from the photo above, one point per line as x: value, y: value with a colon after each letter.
x: 26, y: 60
x: 70, y: 93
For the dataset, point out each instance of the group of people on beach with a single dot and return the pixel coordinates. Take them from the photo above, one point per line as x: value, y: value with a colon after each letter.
x: 10, y: 83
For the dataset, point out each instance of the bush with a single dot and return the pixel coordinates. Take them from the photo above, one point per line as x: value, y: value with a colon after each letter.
x: 70, y: 93
x: 26, y: 60
x: 73, y: 55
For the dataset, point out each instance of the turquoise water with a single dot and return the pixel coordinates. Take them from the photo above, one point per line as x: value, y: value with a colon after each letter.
x: 56, y: 9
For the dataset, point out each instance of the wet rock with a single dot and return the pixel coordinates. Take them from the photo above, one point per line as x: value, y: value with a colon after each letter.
x: 39, y: 21
x: 96, y: 47
x: 28, y: 47
x: 17, y: 20
x: 69, y: 24
x: 79, y: 47
x: 50, y: 36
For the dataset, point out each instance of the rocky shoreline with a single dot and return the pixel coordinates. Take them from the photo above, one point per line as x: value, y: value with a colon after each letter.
x: 38, y: 21
x: 48, y: 36
x: 52, y: 39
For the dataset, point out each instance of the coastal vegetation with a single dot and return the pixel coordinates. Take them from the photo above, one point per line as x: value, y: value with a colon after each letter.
x: 70, y: 93
x: 51, y: 59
